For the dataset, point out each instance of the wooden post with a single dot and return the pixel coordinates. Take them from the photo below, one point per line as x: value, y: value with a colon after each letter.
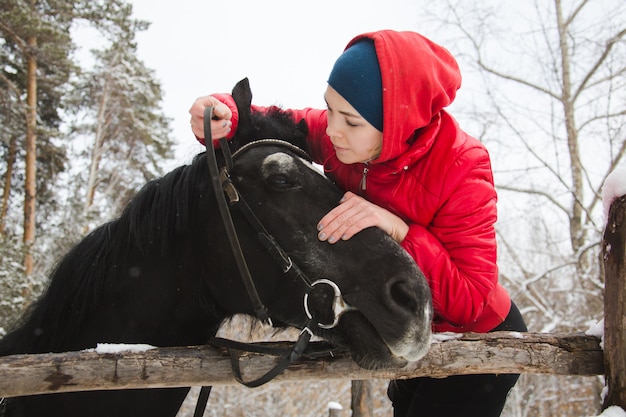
x: 362, y: 398
x: 335, y: 409
x: 614, y: 252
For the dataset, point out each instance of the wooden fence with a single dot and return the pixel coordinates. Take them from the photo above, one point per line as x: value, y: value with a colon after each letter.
x: 500, y: 352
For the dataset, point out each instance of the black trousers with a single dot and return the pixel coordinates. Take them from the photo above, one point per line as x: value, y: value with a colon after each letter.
x: 460, y: 395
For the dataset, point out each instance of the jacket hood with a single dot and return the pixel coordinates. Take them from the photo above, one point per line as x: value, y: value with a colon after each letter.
x: 419, y: 79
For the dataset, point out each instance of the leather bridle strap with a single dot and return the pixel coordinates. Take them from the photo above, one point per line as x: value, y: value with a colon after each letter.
x: 275, y: 251
x: 221, y: 182
x: 288, y: 356
x: 268, y: 241
x: 203, y: 399
x: 259, y: 309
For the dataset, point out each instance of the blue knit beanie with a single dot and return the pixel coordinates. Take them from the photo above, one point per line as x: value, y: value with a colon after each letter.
x: 356, y: 77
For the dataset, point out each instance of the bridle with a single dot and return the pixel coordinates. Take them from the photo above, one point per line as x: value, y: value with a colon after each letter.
x: 221, y: 180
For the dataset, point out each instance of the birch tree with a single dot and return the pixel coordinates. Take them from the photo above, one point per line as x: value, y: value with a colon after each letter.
x: 545, y: 90
x: 37, y: 65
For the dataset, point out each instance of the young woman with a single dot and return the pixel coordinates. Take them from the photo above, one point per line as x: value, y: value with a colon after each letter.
x: 409, y: 169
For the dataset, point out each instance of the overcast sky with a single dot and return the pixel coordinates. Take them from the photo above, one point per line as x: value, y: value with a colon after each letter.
x: 285, y: 47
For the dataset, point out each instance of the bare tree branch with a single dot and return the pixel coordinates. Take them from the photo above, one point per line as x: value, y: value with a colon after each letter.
x: 610, y: 43
x: 572, y: 17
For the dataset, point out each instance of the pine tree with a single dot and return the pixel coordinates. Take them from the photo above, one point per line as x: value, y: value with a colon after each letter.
x: 36, y: 47
x: 128, y: 134
x: 38, y: 85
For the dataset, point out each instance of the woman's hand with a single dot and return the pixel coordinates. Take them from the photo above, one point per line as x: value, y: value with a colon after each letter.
x: 220, y: 125
x: 353, y: 214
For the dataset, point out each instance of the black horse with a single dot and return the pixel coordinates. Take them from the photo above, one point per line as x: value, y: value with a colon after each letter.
x: 163, y: 273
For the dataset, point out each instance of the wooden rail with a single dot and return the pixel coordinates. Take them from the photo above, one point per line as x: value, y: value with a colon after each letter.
x: 501, y: 352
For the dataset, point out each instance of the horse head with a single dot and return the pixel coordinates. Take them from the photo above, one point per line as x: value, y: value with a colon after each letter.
x: 391, y: 315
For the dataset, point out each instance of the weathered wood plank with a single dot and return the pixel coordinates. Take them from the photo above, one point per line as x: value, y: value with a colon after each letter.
x: 500, y: 352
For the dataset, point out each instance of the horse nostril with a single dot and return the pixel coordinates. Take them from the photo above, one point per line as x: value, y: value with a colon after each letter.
x: 402, y: 296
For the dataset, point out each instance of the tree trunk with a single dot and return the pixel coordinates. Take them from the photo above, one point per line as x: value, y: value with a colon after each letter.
x: 577, y: 232
x: 30, y: 183
x: 96, y: 156
x: 614, y: 251
x: 6, y: 192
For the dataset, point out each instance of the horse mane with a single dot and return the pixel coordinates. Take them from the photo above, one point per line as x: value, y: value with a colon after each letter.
x: 163, y: 207
x: 154, y: 220
x: 274, y: 123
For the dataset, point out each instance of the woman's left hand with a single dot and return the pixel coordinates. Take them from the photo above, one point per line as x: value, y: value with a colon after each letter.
x: 353, y: 214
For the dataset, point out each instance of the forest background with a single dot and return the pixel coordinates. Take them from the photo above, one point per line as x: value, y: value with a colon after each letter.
x: 544, y: 89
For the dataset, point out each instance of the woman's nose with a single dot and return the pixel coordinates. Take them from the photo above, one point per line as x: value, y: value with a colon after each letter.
x: 331, y: 130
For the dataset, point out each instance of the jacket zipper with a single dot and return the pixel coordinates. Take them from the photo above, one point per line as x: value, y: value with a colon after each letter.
x: 363, y: 184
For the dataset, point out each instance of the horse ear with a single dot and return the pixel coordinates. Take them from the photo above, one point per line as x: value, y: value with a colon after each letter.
x: 302, y: 127
x: 301, y: 141
x: 242, y: 94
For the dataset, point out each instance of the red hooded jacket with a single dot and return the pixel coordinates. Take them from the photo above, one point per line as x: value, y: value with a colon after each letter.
x: 430, y: 173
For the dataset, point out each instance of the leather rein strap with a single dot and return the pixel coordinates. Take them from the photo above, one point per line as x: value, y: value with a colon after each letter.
x: 290, y: 355
x: 259, y: 309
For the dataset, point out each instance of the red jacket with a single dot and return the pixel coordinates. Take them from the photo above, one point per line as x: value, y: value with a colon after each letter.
x: 430, y: 173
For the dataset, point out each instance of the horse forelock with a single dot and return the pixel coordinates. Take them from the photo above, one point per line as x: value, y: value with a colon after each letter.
x: 274, y: 123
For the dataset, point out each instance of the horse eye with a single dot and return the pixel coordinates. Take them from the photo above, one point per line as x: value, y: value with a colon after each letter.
x: 280, y: 181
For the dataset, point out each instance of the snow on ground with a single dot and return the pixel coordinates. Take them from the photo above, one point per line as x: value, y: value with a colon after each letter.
x: 613, y: 412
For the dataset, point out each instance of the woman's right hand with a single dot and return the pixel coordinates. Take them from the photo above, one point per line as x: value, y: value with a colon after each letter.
x: 221, y: 123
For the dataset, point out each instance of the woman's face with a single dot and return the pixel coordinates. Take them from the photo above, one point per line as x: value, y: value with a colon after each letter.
x: 354, y: 138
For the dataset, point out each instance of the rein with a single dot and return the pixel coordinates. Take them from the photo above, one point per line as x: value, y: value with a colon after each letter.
x: 220, y: 179
x: 259, y: 309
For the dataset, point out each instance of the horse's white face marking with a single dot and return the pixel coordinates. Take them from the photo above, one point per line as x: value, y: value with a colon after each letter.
x: 283, y: 163
x: 278, y: 163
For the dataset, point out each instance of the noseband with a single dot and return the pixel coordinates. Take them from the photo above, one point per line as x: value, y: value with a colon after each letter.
x: 221, y: 180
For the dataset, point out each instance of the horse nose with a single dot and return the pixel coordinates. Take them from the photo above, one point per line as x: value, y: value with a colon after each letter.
x: 403, y: 297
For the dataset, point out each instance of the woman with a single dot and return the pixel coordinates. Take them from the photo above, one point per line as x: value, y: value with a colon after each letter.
x: 408, y: 168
